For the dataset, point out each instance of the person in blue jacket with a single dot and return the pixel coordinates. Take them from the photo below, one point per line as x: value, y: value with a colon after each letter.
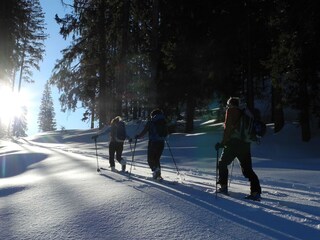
x: 157, y: 129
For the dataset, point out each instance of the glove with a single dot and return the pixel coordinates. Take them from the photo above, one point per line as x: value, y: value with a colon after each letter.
x: 218, y: 145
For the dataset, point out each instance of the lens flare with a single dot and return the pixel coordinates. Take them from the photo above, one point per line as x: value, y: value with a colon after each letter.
x: 11, y: 104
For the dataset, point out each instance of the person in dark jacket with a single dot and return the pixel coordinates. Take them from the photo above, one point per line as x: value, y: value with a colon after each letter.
x: 155, y: 126
x: 234, y: 147
x: 118, y: 135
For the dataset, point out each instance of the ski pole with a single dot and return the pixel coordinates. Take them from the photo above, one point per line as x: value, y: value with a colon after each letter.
x: 95, y: 143
x: 172, y: 157
x: 132, y: 153
x: 230, y: 178
x: 134, y: 150
x: 130, y: 147
x: 232, y: 171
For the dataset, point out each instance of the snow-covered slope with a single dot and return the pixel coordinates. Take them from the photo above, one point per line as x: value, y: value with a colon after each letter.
x: 50, y: 189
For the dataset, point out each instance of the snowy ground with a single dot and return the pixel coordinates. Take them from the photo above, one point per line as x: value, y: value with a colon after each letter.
x: 50, y: 189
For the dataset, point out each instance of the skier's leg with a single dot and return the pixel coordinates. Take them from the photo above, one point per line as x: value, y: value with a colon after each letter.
x: 151, y: 151
x: 226, y: 159
x: 247, y: 170
x: 112, y: 150
x: 154, y: 153
x: 119, y: 150
x: 159, y: 146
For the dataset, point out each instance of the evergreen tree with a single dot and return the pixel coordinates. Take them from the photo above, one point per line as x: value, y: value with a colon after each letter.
x: 8, y: 28
x: 128, y: 56
x: 294, y: 61
x: 94, y: 69
x: 29, y: 45
x: 86, y: 69
x: 21, y: 41
x: 21, y: 46
x: 46, y: 118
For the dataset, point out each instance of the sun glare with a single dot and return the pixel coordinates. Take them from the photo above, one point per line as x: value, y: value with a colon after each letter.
x: 11, y: 104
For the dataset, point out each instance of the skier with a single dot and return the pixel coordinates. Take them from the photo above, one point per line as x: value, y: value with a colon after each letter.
x: 234, y: 147
x: 118, y: 135
x: 157, y: 129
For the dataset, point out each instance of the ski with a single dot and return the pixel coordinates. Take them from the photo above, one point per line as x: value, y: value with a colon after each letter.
x: 151, y: 179
x: 161, y: 181
x: 230, y: 195
x: 120, y: 172
x: 252, y: 198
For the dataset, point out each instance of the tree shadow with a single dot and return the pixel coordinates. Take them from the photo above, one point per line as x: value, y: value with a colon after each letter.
x: 15, y: 164
x: 11, y: 190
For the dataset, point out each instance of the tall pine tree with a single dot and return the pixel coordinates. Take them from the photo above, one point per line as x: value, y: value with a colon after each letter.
x: 21, y: 48
x: 46, y: 118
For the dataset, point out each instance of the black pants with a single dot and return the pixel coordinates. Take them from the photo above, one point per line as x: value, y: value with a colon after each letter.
x: 155, y: 149
x: 115, y: 148
x: 241, y: 150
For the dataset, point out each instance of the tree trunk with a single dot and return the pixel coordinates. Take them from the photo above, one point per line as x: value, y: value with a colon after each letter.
x: 154, y: 55
x: 135, y: 110
x: 102, y: 99
x: 250, y: 95
x: 93, y: 111
x: 92, y: 118
x: 277, y: 109
x: 190, y: 113
x: 304, y: 112
x: 121, y: 83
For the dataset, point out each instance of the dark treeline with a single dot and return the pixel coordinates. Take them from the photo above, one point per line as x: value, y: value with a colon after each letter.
x: 129, y: 56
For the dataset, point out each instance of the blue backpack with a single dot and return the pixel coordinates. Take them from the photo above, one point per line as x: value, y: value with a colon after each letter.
x: 158, y: 128
x: 121, y: 131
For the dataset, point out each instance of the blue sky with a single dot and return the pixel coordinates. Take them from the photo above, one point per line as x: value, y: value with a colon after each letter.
x: 54, y: 44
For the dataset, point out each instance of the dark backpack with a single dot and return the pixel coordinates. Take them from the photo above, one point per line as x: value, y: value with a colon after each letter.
x: 159, y: 128
x: 121, y: 131
x: 252, y: 129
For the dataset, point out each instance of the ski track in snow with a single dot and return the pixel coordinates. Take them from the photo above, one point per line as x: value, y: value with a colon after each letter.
x: 283, y: 213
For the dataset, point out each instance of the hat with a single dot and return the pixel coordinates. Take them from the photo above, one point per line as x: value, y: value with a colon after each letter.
x: 233, y: 101
x: 156, y: 112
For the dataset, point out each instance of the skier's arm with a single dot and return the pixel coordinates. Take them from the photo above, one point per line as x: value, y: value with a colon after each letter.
x: 144, y: 131
x: 127, y: 136
x: 104, y: 131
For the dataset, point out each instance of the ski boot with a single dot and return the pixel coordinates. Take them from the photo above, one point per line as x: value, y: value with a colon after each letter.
x: 123, y: 163
x: 255, y: 196
x: 223, y: 190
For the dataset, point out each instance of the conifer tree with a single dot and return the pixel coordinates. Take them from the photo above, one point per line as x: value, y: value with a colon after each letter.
x: 21, y: 48
x: 46, y: 118
x: 29, y: 46
x: 127, y: 56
